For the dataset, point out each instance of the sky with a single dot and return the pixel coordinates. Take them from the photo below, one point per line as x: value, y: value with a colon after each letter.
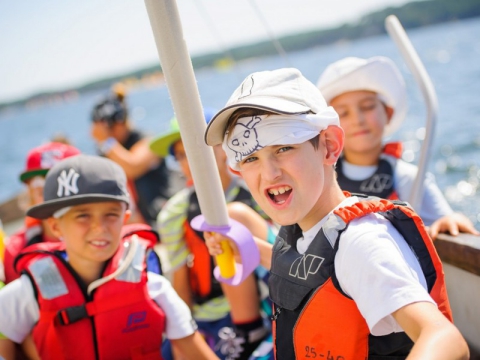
x: 52, y: 45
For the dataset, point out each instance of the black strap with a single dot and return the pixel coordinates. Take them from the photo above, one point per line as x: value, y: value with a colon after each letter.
x: 72, y: 314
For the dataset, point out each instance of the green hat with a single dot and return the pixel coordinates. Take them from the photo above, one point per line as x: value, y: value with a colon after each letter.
x: 161, y: 145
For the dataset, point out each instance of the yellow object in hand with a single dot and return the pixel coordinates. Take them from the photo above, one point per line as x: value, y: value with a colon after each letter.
x: 226, y: 261
x: 2, y: 241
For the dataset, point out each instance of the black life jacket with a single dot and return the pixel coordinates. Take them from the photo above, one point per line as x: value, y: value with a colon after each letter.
x: 313, y: 317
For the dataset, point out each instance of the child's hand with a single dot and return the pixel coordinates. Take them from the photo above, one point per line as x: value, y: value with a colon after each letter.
x: 452, y: 224
x: 100, y: 131
x: 213, y: 241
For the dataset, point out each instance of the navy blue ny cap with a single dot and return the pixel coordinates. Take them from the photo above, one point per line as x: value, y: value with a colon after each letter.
x: 79, y: 180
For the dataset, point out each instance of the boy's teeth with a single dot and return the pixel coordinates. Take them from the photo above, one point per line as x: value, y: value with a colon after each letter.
x: 99, y: 243
x: 279, y: 190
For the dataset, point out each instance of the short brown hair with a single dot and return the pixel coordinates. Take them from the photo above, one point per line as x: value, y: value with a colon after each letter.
x: 246, y: 112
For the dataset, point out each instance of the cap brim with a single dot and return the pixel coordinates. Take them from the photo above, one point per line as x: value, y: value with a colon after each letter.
x: 46, y: 209
x: 32, y: 173
x: 215, y: 131
x: 161, y: 144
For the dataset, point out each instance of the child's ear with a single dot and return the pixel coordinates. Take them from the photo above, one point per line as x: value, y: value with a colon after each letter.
x: 389, y: 112
x: 53, y: 224
x: 235, y: 172
x: 334, y: 139
x: 128, y: 213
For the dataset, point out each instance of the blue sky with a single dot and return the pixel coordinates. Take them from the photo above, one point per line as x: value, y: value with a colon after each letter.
x: 53, y: 44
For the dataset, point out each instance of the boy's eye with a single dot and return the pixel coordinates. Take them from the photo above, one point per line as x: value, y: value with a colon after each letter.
x: 249, y: 160
x: 368, y: 106
x: 284, y: 148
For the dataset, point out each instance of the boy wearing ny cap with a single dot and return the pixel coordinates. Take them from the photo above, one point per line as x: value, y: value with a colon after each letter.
x: 350, y: 277
x: 91, y: 295
x: 39, y: 160
x: 229, y: 317
x: 370, y: 97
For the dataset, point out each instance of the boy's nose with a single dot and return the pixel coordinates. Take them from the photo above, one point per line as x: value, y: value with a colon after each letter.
x: 270, y: 171
x: 97, y: 225
x: 360, y: 117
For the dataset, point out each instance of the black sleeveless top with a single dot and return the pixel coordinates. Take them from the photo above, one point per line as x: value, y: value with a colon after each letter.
x: 153, y: 187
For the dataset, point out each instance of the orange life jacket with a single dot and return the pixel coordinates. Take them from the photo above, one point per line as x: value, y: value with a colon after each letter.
x: 313, y: 318
x: 118, y: 320
x: 381, y: 183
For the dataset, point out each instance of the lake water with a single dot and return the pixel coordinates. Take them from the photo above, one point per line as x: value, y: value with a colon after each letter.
x: 451, y: 55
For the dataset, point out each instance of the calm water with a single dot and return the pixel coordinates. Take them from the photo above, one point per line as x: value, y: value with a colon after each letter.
x: 450, y: 52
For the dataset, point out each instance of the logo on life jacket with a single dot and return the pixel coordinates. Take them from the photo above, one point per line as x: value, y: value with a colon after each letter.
x: 135, y: 320
x: 376, y: 184
x: 67, y: 183
x: 305, y: 265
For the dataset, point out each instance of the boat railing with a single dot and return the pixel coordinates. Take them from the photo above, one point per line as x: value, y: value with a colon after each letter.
x: 460, y: 256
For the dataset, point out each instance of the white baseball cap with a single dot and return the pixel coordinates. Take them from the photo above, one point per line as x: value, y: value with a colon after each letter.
x: 378, y: 74
x: 284, y: 91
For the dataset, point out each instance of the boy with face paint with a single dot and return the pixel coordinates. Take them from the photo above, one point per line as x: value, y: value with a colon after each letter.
x: 350, y: 277
x: 370, y: 97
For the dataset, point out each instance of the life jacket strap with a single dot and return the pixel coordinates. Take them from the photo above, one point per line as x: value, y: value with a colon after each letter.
x: 72, y: 314
x: 76, y: 313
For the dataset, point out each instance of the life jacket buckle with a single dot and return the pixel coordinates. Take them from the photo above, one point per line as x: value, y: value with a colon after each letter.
x: 72, y: 314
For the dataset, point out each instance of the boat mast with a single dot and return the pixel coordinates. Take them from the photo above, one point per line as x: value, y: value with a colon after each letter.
x: 411, y: 58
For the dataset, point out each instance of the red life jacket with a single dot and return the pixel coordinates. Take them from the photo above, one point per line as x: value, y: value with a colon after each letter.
x: 118, y: 320
x: 31, y: 233
x: 326, y: 322
x: 381, y: 183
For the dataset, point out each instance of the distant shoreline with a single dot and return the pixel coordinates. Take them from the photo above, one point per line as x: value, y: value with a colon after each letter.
x: 412, y: 15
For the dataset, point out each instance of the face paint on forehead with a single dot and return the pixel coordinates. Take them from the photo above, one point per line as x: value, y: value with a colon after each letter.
x: 243, y: 138
x: 251, y: 134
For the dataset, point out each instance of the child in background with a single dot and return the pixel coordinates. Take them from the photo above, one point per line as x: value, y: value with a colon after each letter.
x: 370, y: 97
x: 228, y: 316
x: 39, y: 160
x: 150, y: 182
x: 91, y: 295
x: 350, y: 277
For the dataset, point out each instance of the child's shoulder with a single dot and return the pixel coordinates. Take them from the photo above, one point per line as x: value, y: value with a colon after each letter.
x: 177, y: 204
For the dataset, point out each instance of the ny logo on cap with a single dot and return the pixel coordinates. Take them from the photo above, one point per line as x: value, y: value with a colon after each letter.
x: 67, y: 183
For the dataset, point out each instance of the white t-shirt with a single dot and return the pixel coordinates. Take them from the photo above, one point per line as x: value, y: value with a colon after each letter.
x: 433, y: 205
x: 376, y: 268
x: 19, y: 309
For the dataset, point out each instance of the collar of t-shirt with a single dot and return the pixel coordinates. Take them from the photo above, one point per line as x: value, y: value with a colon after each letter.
x: 304, y: 242
x: 357, y: 172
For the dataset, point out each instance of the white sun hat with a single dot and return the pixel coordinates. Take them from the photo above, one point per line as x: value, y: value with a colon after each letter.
x: 282, y: 91
x: 378, y: 74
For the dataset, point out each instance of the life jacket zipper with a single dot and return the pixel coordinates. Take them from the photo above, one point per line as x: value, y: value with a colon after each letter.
x: 277, y: 312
